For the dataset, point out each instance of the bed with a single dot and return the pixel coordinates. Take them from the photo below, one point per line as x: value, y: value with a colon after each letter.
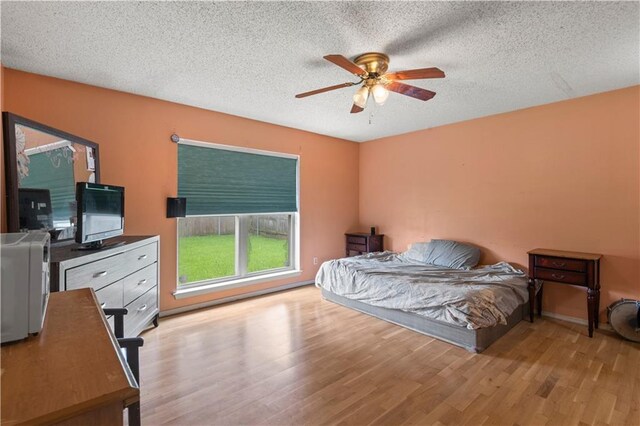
x: 468, y: 307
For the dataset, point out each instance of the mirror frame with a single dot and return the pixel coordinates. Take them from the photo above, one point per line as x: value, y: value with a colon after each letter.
x: 9, y: 121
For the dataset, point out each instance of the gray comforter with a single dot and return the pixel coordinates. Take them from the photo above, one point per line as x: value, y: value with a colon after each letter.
x: 477, y: 298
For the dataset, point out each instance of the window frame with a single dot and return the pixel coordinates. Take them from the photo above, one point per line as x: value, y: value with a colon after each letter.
x: 241, y: 277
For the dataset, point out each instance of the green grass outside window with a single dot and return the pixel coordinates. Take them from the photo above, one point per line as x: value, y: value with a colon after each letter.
x: 213, y: 256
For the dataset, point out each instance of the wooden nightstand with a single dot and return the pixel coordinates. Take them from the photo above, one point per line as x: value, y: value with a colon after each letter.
x: 566, y: 267
x: 363, y: 243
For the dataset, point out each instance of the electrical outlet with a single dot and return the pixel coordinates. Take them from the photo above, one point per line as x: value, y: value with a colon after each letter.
x: 315, y: 260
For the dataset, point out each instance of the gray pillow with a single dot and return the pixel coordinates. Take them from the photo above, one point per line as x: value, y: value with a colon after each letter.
x: 417, y: 252
x: 451, y: 254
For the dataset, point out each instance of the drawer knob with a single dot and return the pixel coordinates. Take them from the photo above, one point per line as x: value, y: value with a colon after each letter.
x: 142, y: 308
x: 103, y: 304
x: 559, y: 264
x: 144, y: 281
x: 100, y: 274
x: 558, y: 276
x: 143, y: 257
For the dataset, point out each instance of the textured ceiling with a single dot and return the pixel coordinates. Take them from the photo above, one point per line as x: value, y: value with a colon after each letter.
x: 250, y: 59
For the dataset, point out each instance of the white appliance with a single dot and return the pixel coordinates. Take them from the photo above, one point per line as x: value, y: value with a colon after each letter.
x: 24, y: 261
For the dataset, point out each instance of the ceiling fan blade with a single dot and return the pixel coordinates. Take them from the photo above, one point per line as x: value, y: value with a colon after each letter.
x: 343, y: 62
x: 324, y: 89
x: 413, y: 91
x: 356, y: 109
x: 416, y: 74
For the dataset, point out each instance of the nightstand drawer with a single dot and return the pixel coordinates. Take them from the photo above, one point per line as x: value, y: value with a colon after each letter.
x: 356, y: 240
x: 560, y: 263
x: 568, y: 277
x: 357, y: 247
x: 363, y: 243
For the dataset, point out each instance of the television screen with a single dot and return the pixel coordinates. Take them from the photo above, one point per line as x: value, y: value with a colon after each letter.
x: 100, y: 211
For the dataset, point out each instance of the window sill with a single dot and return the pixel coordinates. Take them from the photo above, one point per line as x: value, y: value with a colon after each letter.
x: 237, y: 283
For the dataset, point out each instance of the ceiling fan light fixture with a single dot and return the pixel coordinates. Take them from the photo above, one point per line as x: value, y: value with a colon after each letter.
x: 380, y: 93
x: 371, y: 68
x: 361, y: 96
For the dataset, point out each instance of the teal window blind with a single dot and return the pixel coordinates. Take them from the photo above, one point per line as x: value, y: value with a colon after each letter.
x: 53, y: 170
x: 220, y: 181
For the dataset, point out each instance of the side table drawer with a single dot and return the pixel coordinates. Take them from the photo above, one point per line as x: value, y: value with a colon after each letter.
x: 560, y: 263
x: 363, y: 243
x: 356, y: 240
x: 357, y: 247
x: 568, y: 277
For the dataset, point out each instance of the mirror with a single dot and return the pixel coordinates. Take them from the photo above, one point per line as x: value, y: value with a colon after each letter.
x: 42, y: 167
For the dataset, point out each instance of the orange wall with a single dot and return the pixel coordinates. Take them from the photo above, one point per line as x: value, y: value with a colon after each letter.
x: 563, y: 176
x: 135, y: 151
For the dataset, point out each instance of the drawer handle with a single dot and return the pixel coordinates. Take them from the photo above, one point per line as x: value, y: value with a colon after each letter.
x: 144, y: 281
x: 143, y: 257
x: 559, y: 264
x: 103, y: 304
x: 558, y: 276
x: 100, y: 274
x: 142, y: 308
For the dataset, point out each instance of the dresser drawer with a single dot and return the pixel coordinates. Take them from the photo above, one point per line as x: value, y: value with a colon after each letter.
x: 111, y: 295
x: 140, y: 310
x: 351, y: 239
x: 560, y: 263
x: 357, y: 247
x: 568, y: 277
x: 140, y: 257
x: 140, y: 282
x: 96, y: 274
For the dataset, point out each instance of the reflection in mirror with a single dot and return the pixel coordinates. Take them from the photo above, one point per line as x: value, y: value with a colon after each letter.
x: 48, y: 168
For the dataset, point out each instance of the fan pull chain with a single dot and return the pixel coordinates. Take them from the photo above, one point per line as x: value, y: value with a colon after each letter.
x: 372, y: 112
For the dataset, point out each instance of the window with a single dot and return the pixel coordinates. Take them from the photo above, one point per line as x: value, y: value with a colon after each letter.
x: 242, y: 216
x: 206, y: 248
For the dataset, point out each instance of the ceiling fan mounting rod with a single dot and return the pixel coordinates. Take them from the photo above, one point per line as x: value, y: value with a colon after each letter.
x: 374, y: 63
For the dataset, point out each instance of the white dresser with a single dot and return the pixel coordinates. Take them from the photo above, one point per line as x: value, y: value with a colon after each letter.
x: 123, y: 276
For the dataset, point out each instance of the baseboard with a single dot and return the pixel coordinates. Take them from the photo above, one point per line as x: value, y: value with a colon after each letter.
x: 233, y: 298
x: 251, y: 294
x: 574, y: 320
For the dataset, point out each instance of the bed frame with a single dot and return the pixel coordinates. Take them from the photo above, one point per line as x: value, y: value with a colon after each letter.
x: 472, y: 340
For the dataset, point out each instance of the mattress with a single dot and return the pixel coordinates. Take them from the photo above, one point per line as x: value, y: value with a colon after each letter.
x: 473, y: 340
x: 482, y: 297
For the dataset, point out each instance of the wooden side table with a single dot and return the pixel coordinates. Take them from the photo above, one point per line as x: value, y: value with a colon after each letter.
x: 363, y: 243
x: 566, y: 267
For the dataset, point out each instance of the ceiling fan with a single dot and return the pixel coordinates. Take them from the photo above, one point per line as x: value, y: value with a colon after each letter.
x: 371, y: 68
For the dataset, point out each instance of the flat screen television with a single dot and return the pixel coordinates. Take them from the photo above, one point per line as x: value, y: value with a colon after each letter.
x: 100, y: 214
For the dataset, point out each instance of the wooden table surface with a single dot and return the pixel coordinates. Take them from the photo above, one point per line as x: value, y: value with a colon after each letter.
x: 73, y: 366
x: 565, y: 254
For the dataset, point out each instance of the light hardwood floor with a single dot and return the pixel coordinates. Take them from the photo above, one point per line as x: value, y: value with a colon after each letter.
x: 291, y: 358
